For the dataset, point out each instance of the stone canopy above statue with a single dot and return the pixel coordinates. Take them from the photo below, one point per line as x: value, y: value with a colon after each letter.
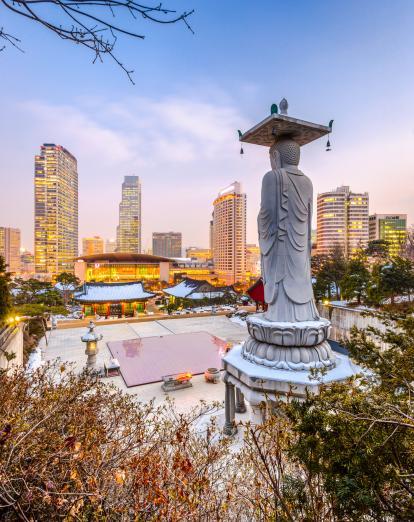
x: 277, y: 126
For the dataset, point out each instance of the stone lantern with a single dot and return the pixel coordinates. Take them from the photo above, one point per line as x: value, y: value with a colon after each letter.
x: 91, y: 339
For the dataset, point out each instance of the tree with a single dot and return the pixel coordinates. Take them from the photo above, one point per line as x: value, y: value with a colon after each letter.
x: 68, y: 283
x: 354, y: 284
x: 358, y: 436
x: 74, y: 448
x: 32, y: 291
x: 328, y: 272
x: 392, y: 279
x: 90, y: 23
x: 378, y: 248
x: 5, y: 298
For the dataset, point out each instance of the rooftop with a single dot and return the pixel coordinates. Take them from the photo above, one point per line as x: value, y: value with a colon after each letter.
x: 123, y: 257
x: 111, y: 292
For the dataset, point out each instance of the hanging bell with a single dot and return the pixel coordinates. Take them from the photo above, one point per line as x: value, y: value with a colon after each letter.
x: 328, y: 146
x: 241, y: 150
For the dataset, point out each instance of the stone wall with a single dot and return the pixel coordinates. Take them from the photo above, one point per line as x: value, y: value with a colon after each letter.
x: 343, y: 319
x: 11, y: 341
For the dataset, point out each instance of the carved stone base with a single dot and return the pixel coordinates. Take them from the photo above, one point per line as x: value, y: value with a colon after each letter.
x: 305, y: 333
x: 287, y: 357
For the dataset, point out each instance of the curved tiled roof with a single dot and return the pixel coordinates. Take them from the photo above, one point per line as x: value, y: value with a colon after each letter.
x: 111, y: 292
x: 123, y: 257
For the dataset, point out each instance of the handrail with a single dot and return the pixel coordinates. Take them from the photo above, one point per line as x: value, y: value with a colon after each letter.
x: 5, y: 334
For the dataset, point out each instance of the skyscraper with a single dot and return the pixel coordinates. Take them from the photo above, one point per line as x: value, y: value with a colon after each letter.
x: 92, y: 245
x: 110, y: 245
x: 342, y: 219
x: 10, y: 248
x: 129, y: 228
x: 391, y: 228
x: 229, y: 233
x: 167, y: 244
x: 56, y: 210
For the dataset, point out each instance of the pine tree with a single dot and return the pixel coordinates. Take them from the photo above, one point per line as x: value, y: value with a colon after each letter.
x: 5, y: 298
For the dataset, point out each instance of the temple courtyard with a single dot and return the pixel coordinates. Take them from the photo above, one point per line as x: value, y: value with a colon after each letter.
x: 66, y: 345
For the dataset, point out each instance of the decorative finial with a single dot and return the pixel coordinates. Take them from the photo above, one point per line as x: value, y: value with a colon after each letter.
x: 240, y: 133
x: 283, y: 106
x: 274, y: 109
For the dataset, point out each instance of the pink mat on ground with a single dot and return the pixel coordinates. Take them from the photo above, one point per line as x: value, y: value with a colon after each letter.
x: 148, y: 359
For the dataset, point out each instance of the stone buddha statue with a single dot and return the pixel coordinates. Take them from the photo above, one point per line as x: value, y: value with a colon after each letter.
x: 284, y: 224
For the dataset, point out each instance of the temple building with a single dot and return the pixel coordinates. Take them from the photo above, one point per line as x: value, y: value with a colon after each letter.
x: 198, y: 290
x: 112, y: 299
x: 122, y: 267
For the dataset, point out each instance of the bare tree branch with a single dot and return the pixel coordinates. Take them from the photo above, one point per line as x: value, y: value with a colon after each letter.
x: 90, y: 22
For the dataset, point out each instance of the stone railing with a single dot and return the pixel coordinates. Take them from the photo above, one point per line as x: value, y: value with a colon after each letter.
x: 11, y: 342
x: 343, y: 319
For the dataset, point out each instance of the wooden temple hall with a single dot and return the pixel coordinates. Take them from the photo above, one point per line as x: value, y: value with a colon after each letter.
x: 112, y: 299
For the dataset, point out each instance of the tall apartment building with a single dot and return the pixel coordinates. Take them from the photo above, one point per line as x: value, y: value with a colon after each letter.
x: 391, y: 228
x: 10, y: 248
x: 110, y: 246
x: 56, y: 210
x: 253, y: 264
x: 92, y: 245
x: 211, y: 234
x: 129, y: 228
x: 229, y: 234
x: 342, y: 219
x: 167, y: 244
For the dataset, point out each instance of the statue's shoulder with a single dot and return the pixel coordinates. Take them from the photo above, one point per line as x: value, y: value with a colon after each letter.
x: 272, y: 176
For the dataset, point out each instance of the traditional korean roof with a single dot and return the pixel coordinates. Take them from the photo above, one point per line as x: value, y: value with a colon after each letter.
x: 256, y: 291
x: 194, y: 289
x: 123, y: 257
x: 111, y: 293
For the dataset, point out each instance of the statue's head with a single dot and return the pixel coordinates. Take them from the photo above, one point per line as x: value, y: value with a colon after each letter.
x: 284, y: 152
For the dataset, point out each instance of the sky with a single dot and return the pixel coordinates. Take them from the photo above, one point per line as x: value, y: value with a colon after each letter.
x: 176, y: 128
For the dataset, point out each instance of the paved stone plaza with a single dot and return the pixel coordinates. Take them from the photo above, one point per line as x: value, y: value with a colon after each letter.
x: 66, y: 345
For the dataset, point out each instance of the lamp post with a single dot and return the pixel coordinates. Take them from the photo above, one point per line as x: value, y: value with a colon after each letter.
x: 91, y: 339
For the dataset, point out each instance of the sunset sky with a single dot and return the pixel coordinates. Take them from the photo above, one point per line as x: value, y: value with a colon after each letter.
x: 176, y: 127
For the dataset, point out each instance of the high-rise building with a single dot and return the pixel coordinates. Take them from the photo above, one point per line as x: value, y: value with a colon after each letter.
x: 110, y: 246
x: 253, y: 266
x: 129, y: 228
x: 211, y: 234
x: 92, y: 245
x: 167, y: 244
x: 26, y: 263
x: 391, y: 228
x: 56, y: 210
x: 229, y: 234
x: 342, y: 219
x: 10, y: 248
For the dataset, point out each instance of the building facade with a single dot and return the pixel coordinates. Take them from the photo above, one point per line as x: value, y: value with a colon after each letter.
x: 253, y: 266
x: 56, y: 210
x: 342, y: 220
x: 198, y: 254
x: 229, y: 234
x: 92, y: 245
x: 110, y: 245
x: 391, y: 228
x: 167, y: 244
x: 10, y: 248
x: 129, y: 228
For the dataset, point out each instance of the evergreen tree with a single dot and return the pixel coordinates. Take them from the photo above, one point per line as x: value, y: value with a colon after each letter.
x: 5, y: 298
x: 354, y: 284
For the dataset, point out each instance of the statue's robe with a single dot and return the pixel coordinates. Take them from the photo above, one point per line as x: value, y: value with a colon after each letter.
x: 284, y: 224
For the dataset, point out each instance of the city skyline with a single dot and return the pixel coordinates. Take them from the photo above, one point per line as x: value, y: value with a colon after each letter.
x: 182, y: 139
